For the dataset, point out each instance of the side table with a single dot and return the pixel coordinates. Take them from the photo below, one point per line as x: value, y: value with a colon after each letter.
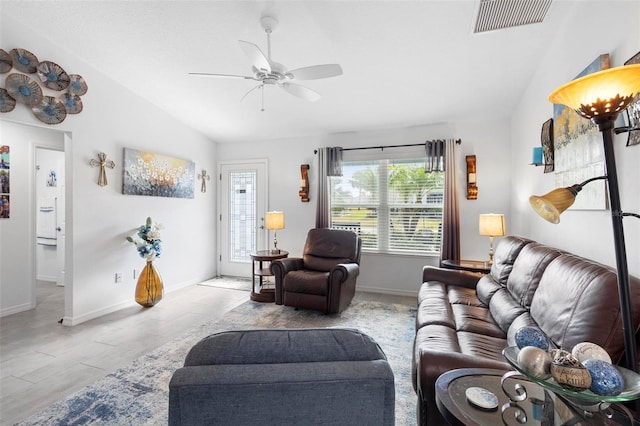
x: 467, y: 265
x: 540, y: 407
x: 263, y: 292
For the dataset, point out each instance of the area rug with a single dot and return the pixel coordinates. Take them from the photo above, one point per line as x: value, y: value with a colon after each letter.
x: 139, y: 394
x: 233, y: 283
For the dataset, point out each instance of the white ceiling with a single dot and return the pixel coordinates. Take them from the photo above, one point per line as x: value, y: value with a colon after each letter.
x: 405, y: 62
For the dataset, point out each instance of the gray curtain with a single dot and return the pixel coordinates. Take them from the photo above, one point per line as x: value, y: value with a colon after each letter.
x: 451, y: 214
x: 329, y: 164
x: 435, y: 156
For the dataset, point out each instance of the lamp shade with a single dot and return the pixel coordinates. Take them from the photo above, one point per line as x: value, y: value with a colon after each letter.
x: 601, y: 93
x: 492, y: 225
x: 274, y: 220
x: 551, y: 205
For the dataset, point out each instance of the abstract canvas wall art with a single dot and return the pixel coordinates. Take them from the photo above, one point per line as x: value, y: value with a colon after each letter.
x: 148, y: 173
x: 579, y: 153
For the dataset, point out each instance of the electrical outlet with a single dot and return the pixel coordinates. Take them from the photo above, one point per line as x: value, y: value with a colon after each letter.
x: 118, y: 277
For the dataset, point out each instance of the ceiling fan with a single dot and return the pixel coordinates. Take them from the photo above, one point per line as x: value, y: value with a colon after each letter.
x: 271, y: 73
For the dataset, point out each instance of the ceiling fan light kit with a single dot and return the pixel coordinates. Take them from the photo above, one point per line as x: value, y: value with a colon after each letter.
x: 271, y: 73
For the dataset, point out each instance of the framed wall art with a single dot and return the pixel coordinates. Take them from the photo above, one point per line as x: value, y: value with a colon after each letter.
x: 633, y: 111
x: 578, y: 150
x: 147, y: 173
x: 5, y: 183
x: 546, y: 139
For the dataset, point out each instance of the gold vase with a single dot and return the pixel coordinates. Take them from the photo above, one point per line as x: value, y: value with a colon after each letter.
x: 149, y: 290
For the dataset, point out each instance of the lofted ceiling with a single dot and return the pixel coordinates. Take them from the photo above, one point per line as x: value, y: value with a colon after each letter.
x: 405, y: 63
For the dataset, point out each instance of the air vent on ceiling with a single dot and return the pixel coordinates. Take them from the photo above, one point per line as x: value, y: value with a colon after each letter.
x: 498, y: 14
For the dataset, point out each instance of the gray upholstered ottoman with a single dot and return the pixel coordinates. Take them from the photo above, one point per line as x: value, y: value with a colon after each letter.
x: 284, y: 377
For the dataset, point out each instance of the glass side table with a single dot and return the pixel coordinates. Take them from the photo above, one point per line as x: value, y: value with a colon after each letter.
x: 263, y: 292
x: 538, y: 406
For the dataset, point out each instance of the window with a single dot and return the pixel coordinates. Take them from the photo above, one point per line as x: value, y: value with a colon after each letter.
x: 392, y: 203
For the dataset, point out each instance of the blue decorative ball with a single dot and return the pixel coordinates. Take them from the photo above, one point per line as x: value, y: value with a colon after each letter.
x: 531, y: 336
x: 605, y: 378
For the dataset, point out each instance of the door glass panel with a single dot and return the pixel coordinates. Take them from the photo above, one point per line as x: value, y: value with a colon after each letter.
x: 242, y: 212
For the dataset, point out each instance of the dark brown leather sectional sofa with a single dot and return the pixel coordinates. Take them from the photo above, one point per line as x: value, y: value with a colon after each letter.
x: 465, y: 319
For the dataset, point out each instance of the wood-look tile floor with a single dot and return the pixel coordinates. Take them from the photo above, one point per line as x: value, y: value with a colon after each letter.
x: 42, y: 361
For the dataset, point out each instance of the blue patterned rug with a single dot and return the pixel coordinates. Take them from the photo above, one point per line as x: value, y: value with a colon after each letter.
x: 139, y: 394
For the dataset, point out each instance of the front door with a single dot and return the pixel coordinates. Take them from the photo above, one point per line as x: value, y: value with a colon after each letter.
x: 243, y: 188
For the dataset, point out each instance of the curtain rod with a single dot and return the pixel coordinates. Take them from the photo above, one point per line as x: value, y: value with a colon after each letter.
x: 382, y: 147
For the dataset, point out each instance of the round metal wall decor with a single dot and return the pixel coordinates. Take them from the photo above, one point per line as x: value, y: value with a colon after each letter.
x: 77, y: 86
x: 72, y: 103
x: 24, y: 61
x: 6, y: 63
x: 23, y: 89
x: 53, y: 76
x: 7, y: 103
x: 50, y: 110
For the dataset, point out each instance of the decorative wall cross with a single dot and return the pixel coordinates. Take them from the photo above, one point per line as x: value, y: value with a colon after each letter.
x: 102, y: 162
x: 204, y: 177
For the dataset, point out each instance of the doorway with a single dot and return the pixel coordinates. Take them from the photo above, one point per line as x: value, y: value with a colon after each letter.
x: 242, y: 204
x: 49, y: 191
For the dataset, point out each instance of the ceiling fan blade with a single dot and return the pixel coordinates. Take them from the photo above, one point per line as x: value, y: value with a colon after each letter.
x: 316, y: 72
x: 204, y: 74
x: 301, y: 91
x: 245, y: 95
x: 257, y: 58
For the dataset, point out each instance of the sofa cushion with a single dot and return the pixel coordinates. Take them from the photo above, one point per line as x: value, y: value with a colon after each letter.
x: 308, y: 282
x: 527, y: 270
x: 577, y: 301
x: 433, y: 306
x: 486, y: 288
x: 463, y: 296
x: 323, y: 250
x: 504, y: 309
x: 476, y: 319
x: 505, y: 255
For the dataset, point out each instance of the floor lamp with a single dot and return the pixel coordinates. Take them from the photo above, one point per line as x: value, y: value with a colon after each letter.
x: 600, y: 97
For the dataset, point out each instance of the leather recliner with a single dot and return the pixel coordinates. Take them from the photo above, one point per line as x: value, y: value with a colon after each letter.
x: 324, y: 278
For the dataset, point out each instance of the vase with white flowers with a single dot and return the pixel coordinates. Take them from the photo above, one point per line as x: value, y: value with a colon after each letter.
x: 149, y: 290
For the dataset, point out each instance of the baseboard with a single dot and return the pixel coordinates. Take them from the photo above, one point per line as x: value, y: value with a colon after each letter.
x: 71, y: 321
x: 389, y: 291
x: 16, y: 309
x: 51, y: 278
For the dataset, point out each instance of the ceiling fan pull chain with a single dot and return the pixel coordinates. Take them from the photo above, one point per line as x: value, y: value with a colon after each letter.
x: 262, y: 109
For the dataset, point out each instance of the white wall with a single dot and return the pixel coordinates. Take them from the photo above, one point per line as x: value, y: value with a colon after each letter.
x: 592, y: 29
x: 99, y: 218
x: 379, y: 272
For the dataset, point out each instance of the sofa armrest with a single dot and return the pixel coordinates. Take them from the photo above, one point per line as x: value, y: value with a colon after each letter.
x: 342, y: 285
x: 277, y: 394
x: 451, y: 276
x: 281, y: 267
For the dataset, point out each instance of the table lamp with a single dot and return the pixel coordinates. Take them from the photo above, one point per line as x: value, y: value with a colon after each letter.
x: 491, y: 225
x: 274, y: 220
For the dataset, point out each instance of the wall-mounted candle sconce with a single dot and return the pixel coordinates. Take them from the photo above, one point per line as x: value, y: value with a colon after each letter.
x: 537, y: 157
x: 304, y: 183
x: 472, y: 189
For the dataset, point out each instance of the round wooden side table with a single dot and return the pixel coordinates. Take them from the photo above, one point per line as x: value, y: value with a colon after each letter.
x: 263, y: 292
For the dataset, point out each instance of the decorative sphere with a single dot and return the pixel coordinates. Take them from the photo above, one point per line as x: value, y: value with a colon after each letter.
x: 535, y: 361
x: 605, y: 378
x: 587, y: 350
x: 531, y: 336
